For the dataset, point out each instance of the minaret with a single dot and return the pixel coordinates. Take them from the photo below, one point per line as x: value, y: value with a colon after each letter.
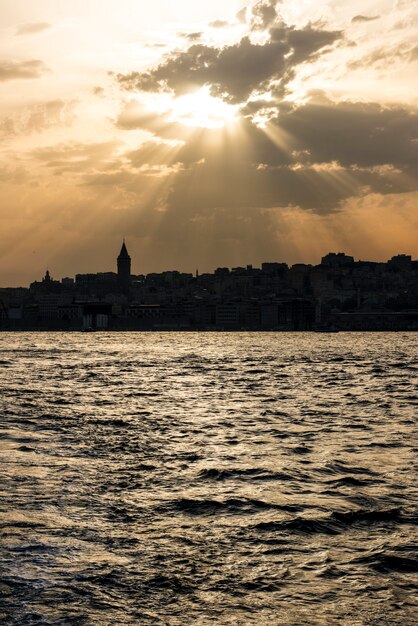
x: 124, y: 265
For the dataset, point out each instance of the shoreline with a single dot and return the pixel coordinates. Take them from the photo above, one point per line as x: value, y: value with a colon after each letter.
x: 206, y: 330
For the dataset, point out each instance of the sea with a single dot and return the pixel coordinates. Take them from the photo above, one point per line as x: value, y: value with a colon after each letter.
x: 208, y: 478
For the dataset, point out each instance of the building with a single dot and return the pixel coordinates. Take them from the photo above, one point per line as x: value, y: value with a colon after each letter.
x: 339, y: 292
x: 337, y: 260
x: 124, y: 266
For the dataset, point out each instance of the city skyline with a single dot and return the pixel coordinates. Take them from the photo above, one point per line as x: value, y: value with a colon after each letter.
x: 116, y: 270
x: 340, y: 293
x: 122, y: 264
x: 218, y: 135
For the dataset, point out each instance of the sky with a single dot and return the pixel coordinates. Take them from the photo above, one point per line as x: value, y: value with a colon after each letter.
x: 207, y: 134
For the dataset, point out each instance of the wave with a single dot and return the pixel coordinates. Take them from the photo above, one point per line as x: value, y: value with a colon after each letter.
x: 252, y: 473
x: 336, y: 523
x: 394, y: 560
x: 351, y: 481
x: 339, y: 467
x: 208, y: 506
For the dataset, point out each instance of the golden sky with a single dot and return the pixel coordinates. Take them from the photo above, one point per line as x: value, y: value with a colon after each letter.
x: 207, y: 134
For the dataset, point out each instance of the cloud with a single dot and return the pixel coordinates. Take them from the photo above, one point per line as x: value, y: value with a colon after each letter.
x: 235, y: 71
x: 313, y: 156
x: 219, y: 24
x: 195, y: 36
x: 413, y: 54
x: 208, y: 185
x: 353, y: 133
x: 135, y: 115
x: 13, y: 70
x: 364, y: 18
x: 263, y: 14
x: 384, y: 57
x: 154, y: 153
x: 12, y: 174
x: 78, y: 157
x: 32, y: 28
x: 242, y: 15
x: 36, y: 118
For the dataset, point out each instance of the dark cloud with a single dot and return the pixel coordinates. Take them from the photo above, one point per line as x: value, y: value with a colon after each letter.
x: 32, y: 28
x: 350, y: 133
x: 303, y: 44
x: 264, y: 14
x: 313, y: 156
x: 235, y: 71
x: 354, y: 134
x: 207, y: 186
x: 364, y: 18
x: 13, y: 70
x: 332, y: 153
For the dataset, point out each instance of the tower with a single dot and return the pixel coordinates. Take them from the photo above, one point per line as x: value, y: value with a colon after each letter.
x: 124, y: 265
x: 47, y: 278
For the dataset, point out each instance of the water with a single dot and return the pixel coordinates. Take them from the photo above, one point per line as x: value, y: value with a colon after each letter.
x: 209, y: 478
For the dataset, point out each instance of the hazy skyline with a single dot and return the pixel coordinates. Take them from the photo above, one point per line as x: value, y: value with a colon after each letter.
x: 224, y: 134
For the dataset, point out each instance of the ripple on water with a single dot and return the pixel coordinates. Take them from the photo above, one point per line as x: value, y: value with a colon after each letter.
x: 208, y: 478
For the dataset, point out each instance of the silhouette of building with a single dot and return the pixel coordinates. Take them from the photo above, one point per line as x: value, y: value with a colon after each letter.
x: 336, y: 260
x: 124, y: 266
x: 339, y: 293
x: 401, y: 262
x: 46, y: 285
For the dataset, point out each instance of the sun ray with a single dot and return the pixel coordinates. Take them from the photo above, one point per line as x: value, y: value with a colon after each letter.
x: 201, y: 109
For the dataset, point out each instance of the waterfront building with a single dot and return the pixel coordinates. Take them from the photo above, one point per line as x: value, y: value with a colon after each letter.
x: 124, y: 266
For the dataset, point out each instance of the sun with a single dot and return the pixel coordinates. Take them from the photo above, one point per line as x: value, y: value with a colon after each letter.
x: 201, y: 109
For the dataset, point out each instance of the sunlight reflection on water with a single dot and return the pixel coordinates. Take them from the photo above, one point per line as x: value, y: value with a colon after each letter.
x: 209, y: 478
